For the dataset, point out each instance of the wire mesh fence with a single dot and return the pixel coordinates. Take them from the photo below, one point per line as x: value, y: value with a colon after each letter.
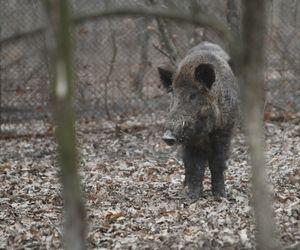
x: 115, y: 59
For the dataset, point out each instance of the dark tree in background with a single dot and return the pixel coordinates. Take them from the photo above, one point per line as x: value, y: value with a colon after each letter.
x: 232, y: 16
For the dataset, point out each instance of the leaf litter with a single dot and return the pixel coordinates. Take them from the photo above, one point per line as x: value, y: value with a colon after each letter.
x: 133, y: 188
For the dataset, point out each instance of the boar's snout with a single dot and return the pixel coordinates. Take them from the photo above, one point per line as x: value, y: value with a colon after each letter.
x: 169, y: 138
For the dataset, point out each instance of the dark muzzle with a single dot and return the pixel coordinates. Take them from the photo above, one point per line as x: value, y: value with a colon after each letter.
x: 169, y: 138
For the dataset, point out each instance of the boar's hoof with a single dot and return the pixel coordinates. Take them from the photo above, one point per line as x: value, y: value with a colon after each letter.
x: 194, y: 193
x: 169, y: 138
x: 218, y: 194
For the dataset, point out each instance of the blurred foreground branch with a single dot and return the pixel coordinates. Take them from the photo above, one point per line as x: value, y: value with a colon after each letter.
x: 201, y: 19
x: 62, y: 89
x: 252, y: 82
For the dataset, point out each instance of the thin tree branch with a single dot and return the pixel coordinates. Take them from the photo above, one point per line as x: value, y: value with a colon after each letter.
x: 22, y: 35
x: 162, y: 51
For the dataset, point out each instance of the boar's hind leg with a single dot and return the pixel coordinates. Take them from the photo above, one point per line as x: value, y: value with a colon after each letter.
x: 217, y: 163
x: 194, y: 163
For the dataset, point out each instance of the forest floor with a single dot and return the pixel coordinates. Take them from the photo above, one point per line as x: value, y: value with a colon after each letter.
x: 133, y: 189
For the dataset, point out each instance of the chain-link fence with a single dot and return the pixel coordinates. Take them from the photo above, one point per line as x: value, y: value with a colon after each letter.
x: 116, y: 59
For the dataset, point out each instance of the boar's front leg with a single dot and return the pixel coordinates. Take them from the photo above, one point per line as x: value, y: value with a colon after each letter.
x: 194, y: 164
x: 220, y: 144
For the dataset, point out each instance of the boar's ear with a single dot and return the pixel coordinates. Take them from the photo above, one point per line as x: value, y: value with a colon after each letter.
x: 205, y: 74
x: 166, y: 76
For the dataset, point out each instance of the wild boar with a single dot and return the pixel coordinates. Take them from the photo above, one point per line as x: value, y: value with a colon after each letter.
x: 202, y: 114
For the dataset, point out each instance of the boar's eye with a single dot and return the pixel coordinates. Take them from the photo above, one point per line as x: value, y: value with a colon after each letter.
x: 193, y: 96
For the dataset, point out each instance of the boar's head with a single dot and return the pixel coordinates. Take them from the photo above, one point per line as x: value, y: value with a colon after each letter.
x: 194, y: 111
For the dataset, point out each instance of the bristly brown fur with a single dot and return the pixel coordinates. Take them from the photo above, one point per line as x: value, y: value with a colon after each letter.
x: 202, y: 115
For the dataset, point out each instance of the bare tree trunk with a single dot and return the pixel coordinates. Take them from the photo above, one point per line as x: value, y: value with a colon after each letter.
x: 275, y: 12
x: 62, y: 89
x: 166, y: 38
x: 195, y: 8
x: 144, y: 38
x: 252, y: 81
x: 0, y: 83
x: 167, y: 41
x: 232, y: 16
x: 296, y: 15
x: 110, y: 71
